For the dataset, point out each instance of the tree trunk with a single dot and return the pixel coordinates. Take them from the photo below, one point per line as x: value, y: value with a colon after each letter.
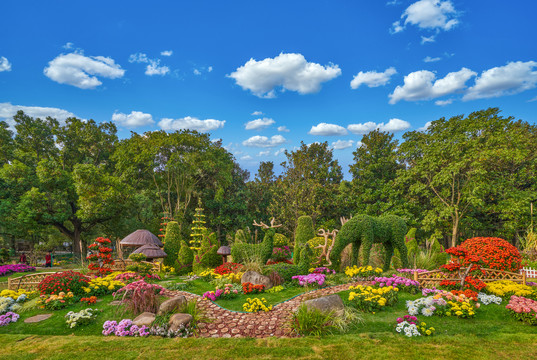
x: 455, y: 229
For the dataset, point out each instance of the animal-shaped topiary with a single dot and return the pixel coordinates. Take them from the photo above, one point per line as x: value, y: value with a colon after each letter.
x: 388, y: 230
x: 304, y: 232
x: 243, y: 252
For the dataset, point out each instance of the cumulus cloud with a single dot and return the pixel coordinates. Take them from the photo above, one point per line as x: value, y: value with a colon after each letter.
x: 138, y: 58
x: 7, y: 111
x: 290, y: 71
x: 257, y: 113
x: 342, y: 144
x: 264, y: 153
x: 373, y: 78
x: 430, y: 15
x: 246, y: 157
x: 259, y: 124
x: 134, y: 119
x: 5, y: 65
x: 419, y: 85
x: 443, y: 102
x: 191, y: 123
x: 325, y: 129
x: 394, y: 125
x: 279, y: 152
x: 283, y: 128
x: 197, y: 72
x: 509, y: 79
x: 264, y: 142
x: 82, y: 71
x: 167, y: 53
x: 68, y: 46
x: 425, y: 127
x: 154, y: 68
x: 428, y: 39
x: 429, y: 59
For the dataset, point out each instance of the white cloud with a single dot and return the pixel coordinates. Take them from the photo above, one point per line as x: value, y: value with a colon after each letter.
x: 7, y: 111
x: 290, y: 71
x: 342, y: 144
x: 191, y: 123
x: 509, y: 79
x: 5, y: 65
x: 425, y: 127
x: 264, y: 142
x: 283, y: 129
x: 419, y: 85
x: 443, y: 102
x: 264, y: 153
x: 134, y: 119
x: 153, y: 68
x: 210, y: 68
x: 533, y: 99
x: 197, y: 72
x: 257, y: 113
x: 373, y: 78
x: 279, y: 152
x: 429, y: 15
x: 166, y: 53
x: 394, y: 125
x: 77, y: 70
x: 68, y: 46
x: 428, y: 39
x: 246, y: 157
x: 325, y: 129
x: 259, y: 124
x: 138, y: 58
x: 429, y: 59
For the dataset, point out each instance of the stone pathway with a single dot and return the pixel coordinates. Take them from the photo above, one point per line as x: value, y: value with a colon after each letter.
x: 227, y: 323
x: 37, y: 318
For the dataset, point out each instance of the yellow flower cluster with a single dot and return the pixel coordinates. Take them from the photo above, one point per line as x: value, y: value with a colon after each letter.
x: 232, y: 277
x: 460, y: 306
x: 255, y: 305
x: 166, y: 269
x: 15, y: 294
x: 61, y: 296
x: 104, y: 285
x: 208, y: 273
x: 508, y: 288
x: 362, y: 271
x: 368, y: 298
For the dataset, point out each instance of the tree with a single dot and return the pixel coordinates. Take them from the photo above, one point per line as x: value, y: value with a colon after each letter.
x: 6, y: 143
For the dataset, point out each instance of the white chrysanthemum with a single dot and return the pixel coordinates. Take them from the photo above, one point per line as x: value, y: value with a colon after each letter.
x: 427, y: 311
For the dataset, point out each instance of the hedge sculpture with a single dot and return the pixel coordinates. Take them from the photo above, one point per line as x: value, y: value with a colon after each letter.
x: 304, y: 232
x: 243, y: 252
x: 185, y: 259
x: 207, y: 255
x: 172, y: 242
x: 387, y: 230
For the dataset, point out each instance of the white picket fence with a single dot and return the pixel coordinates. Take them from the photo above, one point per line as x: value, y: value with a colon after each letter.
x: 530, y: 272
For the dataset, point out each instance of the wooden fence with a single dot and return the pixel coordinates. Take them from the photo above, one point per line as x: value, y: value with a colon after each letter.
x: 435, y: 277
x: 28, y: 282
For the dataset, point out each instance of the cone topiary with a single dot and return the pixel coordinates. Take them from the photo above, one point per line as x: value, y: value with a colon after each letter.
x: 172, y: 243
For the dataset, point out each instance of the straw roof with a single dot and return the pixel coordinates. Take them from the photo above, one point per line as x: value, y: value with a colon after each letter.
x: 140, y: 238
x: 151, y: 251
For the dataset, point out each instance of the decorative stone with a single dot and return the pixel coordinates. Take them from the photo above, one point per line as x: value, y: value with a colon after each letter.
x: 37, y: 318
x: 327, y: 304
x: 172, y: 305
x: 256, y: 278
x: 176, y: 320
x: 145, y: 318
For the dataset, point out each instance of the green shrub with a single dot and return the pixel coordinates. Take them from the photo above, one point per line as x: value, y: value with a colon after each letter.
x: 172, y: 243
x: 207, y: 256
x: 287, y: 271
x: 304, y: 232
x: 243, y: 253
x: 242, y: 236
x: 138, y: 257
x: 316, y: 241
x: 185, y: 258
x: 280, y: 240
x: 312, y: 321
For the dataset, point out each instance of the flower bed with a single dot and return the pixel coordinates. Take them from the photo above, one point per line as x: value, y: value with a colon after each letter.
x: 100, y: 286
x: 410, y: 326
x: 255, y: 305
x: 9, y: 317
x: 523, y: 309
x: 16, y: 294
x: 310, y: 279
x: 362, y: 271
x: 15, y: 268
x: 57, y: 302
x: 507, y: 288
x: 124, y: 328
x: 443, y: 304
x: 489, y: 299
x: 372, y: 299
x: 400, y: 282
x: 81, y: 318
x: 68, y: 281
x: 228, y: 268
x: 249, y: 288
x: 323, y: 270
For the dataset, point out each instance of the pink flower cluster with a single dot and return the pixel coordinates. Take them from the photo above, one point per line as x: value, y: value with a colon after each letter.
x: 310, y: 279
x: 395, y: 281
x: 411, y: 271
x: 409, y: 319
x: 324, y: 270
x: 213, y: 295
x: 140, y: 286
x: 8, y: 269
x: 520, y: 304
x: 124, y: 328
x: 9, y: 317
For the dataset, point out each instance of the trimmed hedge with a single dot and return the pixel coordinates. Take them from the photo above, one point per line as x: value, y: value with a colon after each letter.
x: 172, y: 243
x: 304, y: 232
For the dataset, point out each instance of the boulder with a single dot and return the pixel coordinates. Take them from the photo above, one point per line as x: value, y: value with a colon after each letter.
x: 172, y: 305
x: 145, y: 318
x: 327, y: 304
x: 256, y: 278
x: 176, y: 320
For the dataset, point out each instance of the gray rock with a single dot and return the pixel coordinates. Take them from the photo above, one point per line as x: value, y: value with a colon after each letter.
x: 327, y: 304
x: 256, y: 278
x: 172, y: 305
x: 176, y: 320
x: 145, y: 318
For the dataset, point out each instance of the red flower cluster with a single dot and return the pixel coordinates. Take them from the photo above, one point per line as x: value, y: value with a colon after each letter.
x: 285, y: 261
x: 468, y: 293
x: 63, y: 281
x: 101, y: 256
x: 89, y: 300
x: 228, y: 268
x: 249, y: 288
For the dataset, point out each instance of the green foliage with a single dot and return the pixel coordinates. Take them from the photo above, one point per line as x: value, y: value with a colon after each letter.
x: 365, y: 230
x: 243, y: 253
x: 242, y: 237
x: 185, y: 258
x: 280, y: 240
x: 304, y: 232
x: 316, y: 241
x: 137, y: 257
x: 4, y: 255
x: 198, y: 228
x: 172, y: 243
x: 312, y: 321
x: 287, y: 271
x: 207, y: 256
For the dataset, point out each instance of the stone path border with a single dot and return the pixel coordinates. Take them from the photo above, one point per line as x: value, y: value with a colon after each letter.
x: 227, y: 323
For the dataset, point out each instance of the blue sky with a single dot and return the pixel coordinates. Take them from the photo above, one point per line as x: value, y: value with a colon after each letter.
x: 262, y: 76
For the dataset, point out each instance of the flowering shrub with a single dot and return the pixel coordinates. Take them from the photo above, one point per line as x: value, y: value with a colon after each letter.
x: 56, y: 302
x: 428, y: 291
x: 165, y: 331
x: 489, y: 299
x: 443, y: 304
x: 255, y: 305
x: 322, y: 270
x: 68, y: 281
x: 7, y: 304
x: 101, y: 256
x: 128, y: 277
x: 409, y: 326
x: 249, y: 288
x: 83, y: 317
x: 281, y: 253
x: 124, y: 328
x: 408, y: 329
x: 210, y: 274
x: 275, y: 289
x: 228, y: 268
x: 140, y: 296
x: 9, y: 317
x: 310, y: 279
x: 470, y: 294
x: 212, y: 295
x: 507, y: 288
x: 523, y: 309
x: 17, y: 268
x: 100, y: 286
x: 402, y: 283
x: 15, y: 295
x: 89, y: 300
x: 362, y: 271
x: 372, y: 299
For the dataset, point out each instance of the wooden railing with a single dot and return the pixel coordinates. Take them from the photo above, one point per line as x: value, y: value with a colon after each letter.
x: 28, y: 282
x: 435, y: 277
